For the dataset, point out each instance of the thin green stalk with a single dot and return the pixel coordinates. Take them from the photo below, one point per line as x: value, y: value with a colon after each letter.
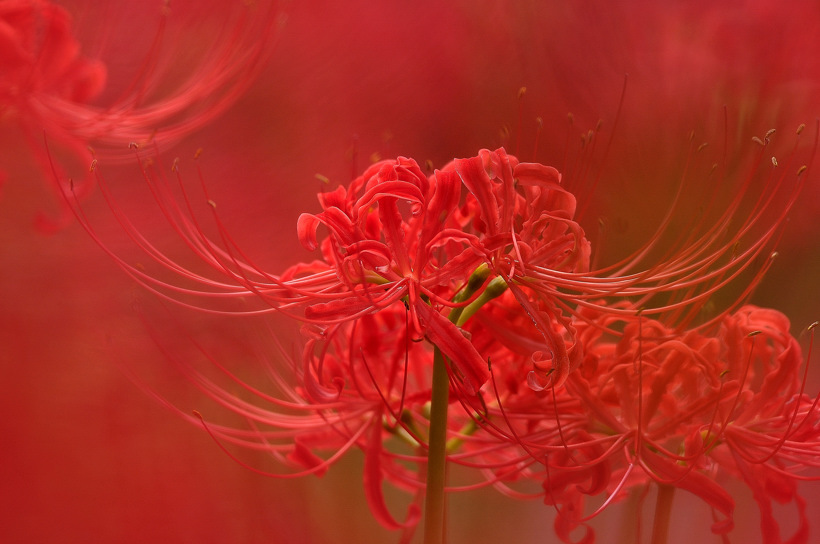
x: 437, y: 453
x: 663, y: 514
x: 434, y: 505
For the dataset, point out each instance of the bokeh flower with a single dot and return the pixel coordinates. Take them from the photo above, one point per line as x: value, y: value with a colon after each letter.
x: 52, y: 87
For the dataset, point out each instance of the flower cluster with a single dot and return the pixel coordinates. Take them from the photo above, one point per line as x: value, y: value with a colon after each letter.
x: 438, y: 253
x: 680, y: 409
x: 560, y: 375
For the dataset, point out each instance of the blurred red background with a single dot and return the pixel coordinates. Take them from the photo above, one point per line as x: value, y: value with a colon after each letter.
x: 87, y: 455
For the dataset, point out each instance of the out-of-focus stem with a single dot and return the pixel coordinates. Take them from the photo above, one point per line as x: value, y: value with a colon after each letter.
x: 663, y: 513
x: 437, y: 453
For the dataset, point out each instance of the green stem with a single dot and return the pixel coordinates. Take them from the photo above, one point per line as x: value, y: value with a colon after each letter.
x: 663, y: 514
x: 437, y: 453
x: 434, y: 506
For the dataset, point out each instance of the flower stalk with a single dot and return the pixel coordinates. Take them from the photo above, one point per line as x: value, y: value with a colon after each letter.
x: 437, y: 453
x: 434, y: 525
x: 663, y: 513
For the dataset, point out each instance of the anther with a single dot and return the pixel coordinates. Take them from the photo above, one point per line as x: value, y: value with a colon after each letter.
x: 323, y: 179
x: 800, y: 128
x: 774, y: 161
x: 811, y: 327
x: 93, y: 166
x: 753, y: 333
x: 802, y: 169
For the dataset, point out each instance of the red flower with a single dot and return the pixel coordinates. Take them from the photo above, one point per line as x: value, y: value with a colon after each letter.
x: 653, y: 405
x: 49, y: 87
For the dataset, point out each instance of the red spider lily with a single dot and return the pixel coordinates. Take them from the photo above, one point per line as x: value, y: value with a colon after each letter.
x: 49, y: 86
x: 651, y: 404
x: 398, y: 241
x: 396, y: 235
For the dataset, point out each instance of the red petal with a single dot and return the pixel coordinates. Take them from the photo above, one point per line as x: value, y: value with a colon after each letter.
x: 373, y: 482
x: 697, y: 484
x: 452, y: 343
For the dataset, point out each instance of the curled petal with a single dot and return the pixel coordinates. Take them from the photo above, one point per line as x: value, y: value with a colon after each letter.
x: 373, y: 483
x: 529, y: 173
x: 452, y: 343
x: 306, y: 227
